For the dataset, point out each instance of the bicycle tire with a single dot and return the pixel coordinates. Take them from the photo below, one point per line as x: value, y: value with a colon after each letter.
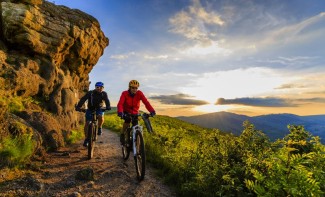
x: 140, y: 157
x: 126, y: 149
x: 91, y: 142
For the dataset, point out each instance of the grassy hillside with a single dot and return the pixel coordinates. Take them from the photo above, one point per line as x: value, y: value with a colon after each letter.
x: 208, y: 162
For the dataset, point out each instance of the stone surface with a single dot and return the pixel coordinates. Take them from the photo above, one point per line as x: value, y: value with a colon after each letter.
x: 46, y: 55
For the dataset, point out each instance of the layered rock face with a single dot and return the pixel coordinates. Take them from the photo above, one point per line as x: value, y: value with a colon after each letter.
x: 46, y: 54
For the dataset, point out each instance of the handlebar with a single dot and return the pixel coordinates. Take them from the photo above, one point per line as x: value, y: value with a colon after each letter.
x: 128, y: 115
x: 84, y: 110
x: 145, y: 117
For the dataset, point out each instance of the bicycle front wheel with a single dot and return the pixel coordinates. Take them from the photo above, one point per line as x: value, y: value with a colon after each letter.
x: 91, y: 142
x: 140, y: 157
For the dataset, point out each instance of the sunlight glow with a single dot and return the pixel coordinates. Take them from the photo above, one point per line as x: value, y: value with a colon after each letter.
x: 235, y: 83
x: 212, y: 108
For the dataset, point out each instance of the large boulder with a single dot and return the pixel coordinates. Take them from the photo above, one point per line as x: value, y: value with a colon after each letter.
x: 46, y: 55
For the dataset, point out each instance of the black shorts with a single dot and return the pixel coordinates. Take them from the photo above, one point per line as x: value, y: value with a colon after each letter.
x: 134, y: 119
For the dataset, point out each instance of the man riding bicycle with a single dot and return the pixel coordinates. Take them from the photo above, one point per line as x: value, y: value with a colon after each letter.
x: 129, y: 103
x: 95, y: 102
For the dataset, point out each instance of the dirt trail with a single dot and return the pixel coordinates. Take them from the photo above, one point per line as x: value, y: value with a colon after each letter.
x: 113, y: 176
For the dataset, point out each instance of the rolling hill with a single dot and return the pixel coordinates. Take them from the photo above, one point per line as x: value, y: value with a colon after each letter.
x: 274, y: 125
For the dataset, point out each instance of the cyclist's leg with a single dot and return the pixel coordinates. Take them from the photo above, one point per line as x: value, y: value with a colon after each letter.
x: 126, y: 124
x: 100, y: 117
x: 88, y: 118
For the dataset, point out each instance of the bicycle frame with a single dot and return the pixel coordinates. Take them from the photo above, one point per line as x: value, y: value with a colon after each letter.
x: 94, y: 120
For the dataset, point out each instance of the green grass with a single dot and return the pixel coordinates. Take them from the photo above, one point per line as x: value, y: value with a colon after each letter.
x: 75, y: 135
x: 16, y: 151
x: 17, y: 103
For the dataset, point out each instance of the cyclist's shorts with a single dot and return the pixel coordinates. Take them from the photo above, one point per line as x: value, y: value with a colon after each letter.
x: 88, y: 114
x: 128, y: 120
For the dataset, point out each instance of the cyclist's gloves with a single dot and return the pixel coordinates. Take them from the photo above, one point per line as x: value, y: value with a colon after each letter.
x: 120, y: 114
x: 152, y: 113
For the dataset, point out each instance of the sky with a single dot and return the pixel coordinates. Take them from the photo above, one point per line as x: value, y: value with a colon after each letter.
x: 193, y: 57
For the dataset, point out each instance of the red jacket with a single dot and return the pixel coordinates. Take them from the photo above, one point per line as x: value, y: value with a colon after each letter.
x: 131, y: 104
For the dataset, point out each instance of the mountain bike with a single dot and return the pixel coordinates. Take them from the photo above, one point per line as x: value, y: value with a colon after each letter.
x: 92, y: 130
x: 133, y: 140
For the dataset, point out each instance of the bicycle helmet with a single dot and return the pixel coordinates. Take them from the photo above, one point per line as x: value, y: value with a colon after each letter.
x: 134, y: 83
x: 99, y: 84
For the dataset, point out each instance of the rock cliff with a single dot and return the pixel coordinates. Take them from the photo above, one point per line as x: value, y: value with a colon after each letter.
x: 46, y: 54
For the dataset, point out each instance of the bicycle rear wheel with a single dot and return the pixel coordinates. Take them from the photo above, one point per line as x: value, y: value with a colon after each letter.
x: 140, y: 157
x: 126, y: 147
x: 91, y: 143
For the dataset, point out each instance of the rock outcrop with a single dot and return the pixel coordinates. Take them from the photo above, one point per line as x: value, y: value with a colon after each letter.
x: 46, y: 55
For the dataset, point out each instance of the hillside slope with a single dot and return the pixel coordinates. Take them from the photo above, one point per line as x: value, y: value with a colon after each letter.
x: 274, y: 125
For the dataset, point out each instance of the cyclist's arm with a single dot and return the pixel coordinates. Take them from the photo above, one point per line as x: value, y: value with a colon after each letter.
x: 146, y: 103
x: 121, y: 103
x: 83, y: 100
x: 107, y: 103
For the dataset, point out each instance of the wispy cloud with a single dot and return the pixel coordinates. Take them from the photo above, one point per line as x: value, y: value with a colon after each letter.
x: 312, y: 100
x: 299, y: 34
x: 290, y: 86
x: 261, y: 102
x: 178, y: 99
x: 150, y: 57
x: 122, y: 56
x: 269, y: 101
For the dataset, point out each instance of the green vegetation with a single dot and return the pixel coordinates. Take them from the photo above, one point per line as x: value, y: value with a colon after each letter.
x: 75, y: 135
x: 16, y: 151
x: 204, y: 162
x: 16, y: 104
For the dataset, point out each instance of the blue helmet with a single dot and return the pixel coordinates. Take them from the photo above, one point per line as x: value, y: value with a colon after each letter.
x: 99, y: 84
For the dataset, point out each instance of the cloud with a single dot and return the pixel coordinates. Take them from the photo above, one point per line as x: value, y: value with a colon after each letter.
x: 122, y: 56
x: 178, y: 99
x: 289, y: 86
x: 297, y: 37
x: 261, y: 102
x: 193, y: 23
x: 316, y: 92
x: 214, y: 48
x: 313, y: 100
x: 151, y: 57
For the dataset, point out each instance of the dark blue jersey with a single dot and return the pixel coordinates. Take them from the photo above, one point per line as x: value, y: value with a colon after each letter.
x: 95, y: 100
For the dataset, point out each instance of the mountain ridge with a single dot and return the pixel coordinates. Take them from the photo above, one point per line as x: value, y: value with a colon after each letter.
x: 273, y: 125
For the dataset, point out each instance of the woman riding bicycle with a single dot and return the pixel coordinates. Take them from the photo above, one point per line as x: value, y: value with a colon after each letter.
x: 129, y: 103
x: 95, y: 102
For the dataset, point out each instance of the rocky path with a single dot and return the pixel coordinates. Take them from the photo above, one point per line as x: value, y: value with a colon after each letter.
x: 112, y: 176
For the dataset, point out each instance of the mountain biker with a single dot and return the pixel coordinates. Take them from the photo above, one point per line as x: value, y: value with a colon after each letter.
x: 129, y: 103
x: 95, y: 101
